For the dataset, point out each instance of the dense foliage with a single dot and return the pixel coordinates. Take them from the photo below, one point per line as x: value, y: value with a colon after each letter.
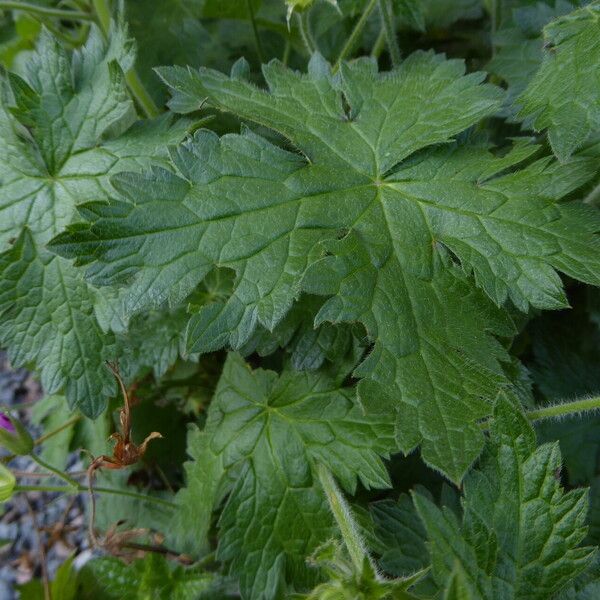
x: 342, y: 255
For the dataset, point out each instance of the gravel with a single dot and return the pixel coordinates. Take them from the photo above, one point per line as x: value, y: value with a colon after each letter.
x: 59, y: 519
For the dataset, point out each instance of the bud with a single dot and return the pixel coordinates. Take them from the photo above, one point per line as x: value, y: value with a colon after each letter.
x: 7, y: 483
x: 13, y: 436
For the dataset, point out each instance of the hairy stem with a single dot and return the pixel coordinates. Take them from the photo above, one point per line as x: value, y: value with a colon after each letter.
x: 102, y: 10
x: 356, y: 33
x: 389, y: 27
x: 54, y: 432
x: 304, y: 34
x: 564, y: 409
x: 257, y: 42
x: 379, y: 44
x: 45, y: 11
x: 343, y: 517
x: 286, y: 52
x: 134, y: 83
x: 83, y: 489
x: 60, y: 474
x: 554, y: 411
x: 141, y: 95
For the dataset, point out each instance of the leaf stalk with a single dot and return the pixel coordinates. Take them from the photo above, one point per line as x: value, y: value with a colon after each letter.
x: 389, y: 27
x: 83, y: 489
x: 355, y: 35
x: 564, y: 409
x: 344, y: 519
x: 556, y: 411
x: 57, y: 472
x: 257, y: 42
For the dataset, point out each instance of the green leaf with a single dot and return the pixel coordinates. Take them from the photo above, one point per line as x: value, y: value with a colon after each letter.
x: 443, y: 13
x: 52, y: 412
x: 519, y: 45
x: 263, y: 435
x: 402, y: 535
x: 410, y: 12
x: 586, y: 586
x: 520, y: 532
x: 153, y: 342
x: 63, y: 586
x: 152, y: 577
x: 270, y: 214
x: 191, y: 522
x: 564, y: 96
x: 594, y: 512
x: 175, y: 36
x: 309, y: 346
x: 233, y: 9
x: 458, y: 587
x: 344, y: 582
x: 59, y: 147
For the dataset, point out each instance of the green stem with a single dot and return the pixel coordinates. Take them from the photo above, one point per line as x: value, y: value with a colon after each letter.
x: 141, y: 95
x: 388, y: 22
x: 45, y: 11
x: 379, y: 44
x: 257, y: 42
x: 564, y: 409
x: 356, y: 33
x: 134, y: 83
x: 83, y: 489
x: 304, y: 34
x: 102, y: 10
x: 286, y: 52
x: 72, y: 482
x: 307, y: 28
x: 343, y: 517
x: 54, y: 432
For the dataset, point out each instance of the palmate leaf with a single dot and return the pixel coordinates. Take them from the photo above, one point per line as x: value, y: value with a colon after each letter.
x: 564, y: 96
x: 519, y: 45
x: 151, y: 577
x: 59, y: 147
x: 401, y: 535
x: 520, y: 532
x: 263, y: 436
x: 366, y: 214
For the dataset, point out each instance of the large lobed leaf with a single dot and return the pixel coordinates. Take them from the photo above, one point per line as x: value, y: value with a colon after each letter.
x: 263, y: 437
x: 520, y: 532
x: 59, y: 129
x: 368, y: 215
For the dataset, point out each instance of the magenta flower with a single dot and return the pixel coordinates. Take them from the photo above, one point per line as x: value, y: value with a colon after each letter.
x: 6, y: 423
